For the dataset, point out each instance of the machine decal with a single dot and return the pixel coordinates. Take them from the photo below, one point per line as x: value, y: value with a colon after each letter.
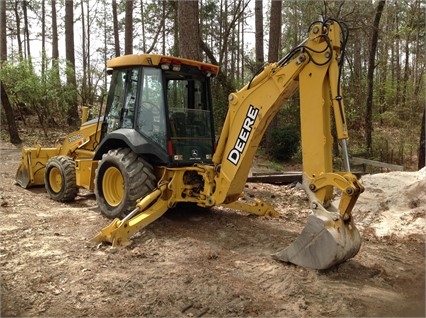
x: 240, y: 144
x: 75, y: 137
x: 194, y: 155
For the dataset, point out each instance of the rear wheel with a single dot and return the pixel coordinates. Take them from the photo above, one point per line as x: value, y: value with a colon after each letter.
x: 60, y: 179
x: 121, y: 178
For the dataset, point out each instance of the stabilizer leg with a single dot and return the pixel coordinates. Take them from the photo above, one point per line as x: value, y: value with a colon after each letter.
x: 147, y: 211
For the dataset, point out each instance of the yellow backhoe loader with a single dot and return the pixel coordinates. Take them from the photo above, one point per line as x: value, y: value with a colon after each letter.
x: 154, y: 146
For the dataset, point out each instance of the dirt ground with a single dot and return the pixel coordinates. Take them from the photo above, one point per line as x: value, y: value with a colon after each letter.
x: 202, y: 263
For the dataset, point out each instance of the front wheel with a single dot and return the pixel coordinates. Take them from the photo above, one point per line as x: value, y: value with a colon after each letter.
x: 60, y: 179
x: 121, y: 178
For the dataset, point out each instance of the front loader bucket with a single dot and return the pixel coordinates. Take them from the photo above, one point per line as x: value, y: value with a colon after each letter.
x: 324, y: 242
x: 23, y: 176
x: 31, y: 170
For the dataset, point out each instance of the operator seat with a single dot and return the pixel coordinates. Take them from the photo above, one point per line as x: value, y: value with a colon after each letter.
x: 178, y: 124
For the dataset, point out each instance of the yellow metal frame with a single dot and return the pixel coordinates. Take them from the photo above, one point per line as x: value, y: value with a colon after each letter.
x: 257, y: 207
x: 85, y: 172
x: 251, y: 110
x: 78, y: 145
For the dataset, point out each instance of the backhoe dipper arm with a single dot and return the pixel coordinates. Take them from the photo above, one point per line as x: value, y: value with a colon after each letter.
x: 313, y: 68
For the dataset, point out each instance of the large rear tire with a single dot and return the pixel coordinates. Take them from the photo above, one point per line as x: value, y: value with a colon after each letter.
x: 121, y: 178
x: 60, y: 179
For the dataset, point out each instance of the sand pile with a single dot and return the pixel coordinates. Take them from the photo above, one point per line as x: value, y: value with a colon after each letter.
x: 393, y: 203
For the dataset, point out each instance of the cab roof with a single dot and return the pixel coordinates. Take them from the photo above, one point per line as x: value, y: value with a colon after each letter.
x: 156, y: 60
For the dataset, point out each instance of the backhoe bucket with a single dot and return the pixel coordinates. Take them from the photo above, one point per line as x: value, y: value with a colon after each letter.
x: 324, y: 242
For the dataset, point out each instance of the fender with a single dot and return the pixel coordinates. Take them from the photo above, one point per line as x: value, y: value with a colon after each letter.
x: 139, y: 144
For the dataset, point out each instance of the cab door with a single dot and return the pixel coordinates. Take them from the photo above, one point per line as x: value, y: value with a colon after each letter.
x: 190, y: 119
x: 122, y: 99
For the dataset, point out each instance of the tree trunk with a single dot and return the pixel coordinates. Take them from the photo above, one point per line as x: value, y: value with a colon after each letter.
x: 383, y: 74
x: 128, y: 28
x: 69, y: 37
x: 72, y: 118
x: 223, y: 59
x: 11, y: 124
x: 370, y: 77
x: 84, y: 56
x: 175, y: 48
x: 26, y: 30
x: 227, y: 85
x: 406, y: 75
x: 274, y: 48
x: 55, y: 41
x: 163, y: 26
x: 239, y: 48
x: 142, y: 17
x: 90, y: 97
x: 43, y: 37
x: 106, y: 42
x: 189, y: 34
x: 397, y: 62
x: 115, y: 27
x: 3, y: 34
x: 422, y: 150
x: 275, y: 31
x: 18, y: 30
x: 258, y: 18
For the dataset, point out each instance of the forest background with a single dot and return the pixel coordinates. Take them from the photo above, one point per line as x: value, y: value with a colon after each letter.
x: 53, y: 56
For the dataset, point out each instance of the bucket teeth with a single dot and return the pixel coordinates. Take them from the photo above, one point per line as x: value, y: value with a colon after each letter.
x: 322, y: 244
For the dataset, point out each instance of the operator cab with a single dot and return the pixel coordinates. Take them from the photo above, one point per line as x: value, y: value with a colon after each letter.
x: 161, y: 107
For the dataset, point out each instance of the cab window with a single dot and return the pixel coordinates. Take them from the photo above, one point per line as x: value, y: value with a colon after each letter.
x: 150, y: 118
